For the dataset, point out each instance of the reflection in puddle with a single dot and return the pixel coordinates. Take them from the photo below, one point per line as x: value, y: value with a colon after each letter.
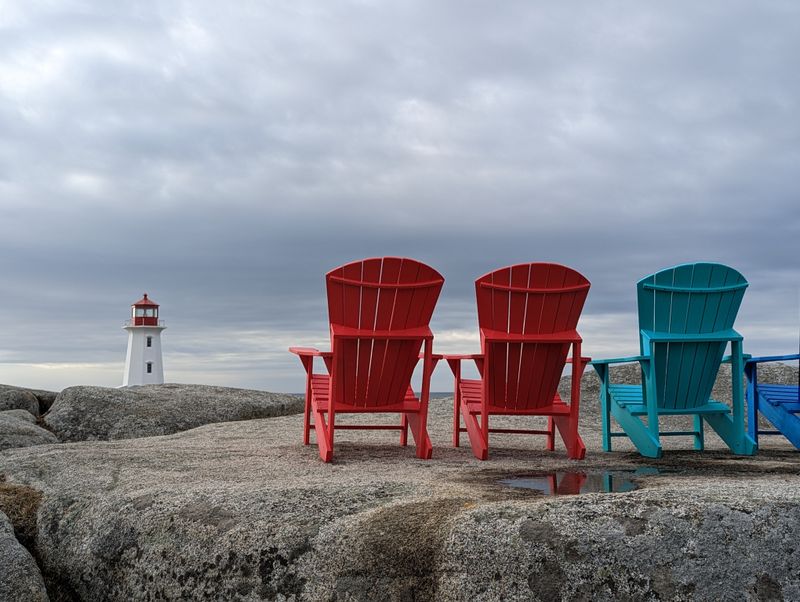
x: 574, y: 482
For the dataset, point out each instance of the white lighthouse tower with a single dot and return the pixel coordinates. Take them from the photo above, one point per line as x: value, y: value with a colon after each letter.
x: 143, y: 364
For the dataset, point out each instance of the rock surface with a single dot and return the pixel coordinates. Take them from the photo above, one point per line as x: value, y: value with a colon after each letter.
x: 18, y: 399
x: 20, y: 579
x: 19, y: 414
x: 44, y: 398
x: 243, y: 511
x: 100, y: 413
x: 20, y: 431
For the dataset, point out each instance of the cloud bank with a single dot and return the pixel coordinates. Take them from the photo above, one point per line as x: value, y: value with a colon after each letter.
x: 223, y: 158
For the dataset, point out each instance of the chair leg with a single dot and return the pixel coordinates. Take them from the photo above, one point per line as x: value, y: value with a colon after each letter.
x: 324, y: 442
x: 605, y: 405
x: 455, y: 366
x: 419, y: 432
x: 307, y: 408
x: 403, y: 430
x: 605, y: 416
x: 476, y: 438
x: 751, y: 397
x: 732, y: 434
x: 307, y: 422
x: 699, y: 437
x: 456, y: 423
x: 568, y: 429
x: 732, y: 428
x: 649, y: 445
x: 551, y: 432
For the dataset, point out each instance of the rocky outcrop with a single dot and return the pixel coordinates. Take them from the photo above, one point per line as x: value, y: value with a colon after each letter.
x: 17, y: 430
x: 20, y: 579
x: 12, y: 398
x: 19, y: 397
x: 659, y: 545
x: 24, y: 415
x: 243, y: 511
x: 99, y: 413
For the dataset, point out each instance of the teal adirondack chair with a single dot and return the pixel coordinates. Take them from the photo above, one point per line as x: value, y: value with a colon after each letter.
x: 686, y: 316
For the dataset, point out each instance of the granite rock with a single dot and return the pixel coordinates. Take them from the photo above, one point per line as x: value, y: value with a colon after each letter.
x: 12, y: 398
x: 100, y: 413
x: 44, y: 398
x: 19, y: 414
x: 243, y: 511
x: 19, y: 431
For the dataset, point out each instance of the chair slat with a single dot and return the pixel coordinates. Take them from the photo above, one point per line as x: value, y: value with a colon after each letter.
x: 520, y: 373
x: 526, y: 375
x: 688, y: 299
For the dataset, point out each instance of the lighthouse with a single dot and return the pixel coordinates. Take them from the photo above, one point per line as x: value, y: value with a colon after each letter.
x: 143, y: 365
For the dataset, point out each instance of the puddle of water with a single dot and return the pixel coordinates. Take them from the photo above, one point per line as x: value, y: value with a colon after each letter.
x: 577, y: 482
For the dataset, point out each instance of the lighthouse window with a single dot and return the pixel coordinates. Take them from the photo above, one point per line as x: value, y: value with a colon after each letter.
x: 149, y: 367
x: 139, y: 312
x: 149, y: 341
x: 149, y: 313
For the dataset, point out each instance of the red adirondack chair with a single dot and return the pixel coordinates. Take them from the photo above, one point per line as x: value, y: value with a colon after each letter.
x: 379, y: 310
x: 527, y: 315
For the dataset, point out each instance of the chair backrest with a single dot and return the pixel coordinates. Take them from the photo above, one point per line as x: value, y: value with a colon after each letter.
x: 382, y: 293
x: 534, y: 299
x: 693, y: 298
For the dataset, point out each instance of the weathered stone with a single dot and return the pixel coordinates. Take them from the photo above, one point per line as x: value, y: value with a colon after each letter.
x: 12, y: 398
x: 99, y: 413
x: 19, y: 414
x: 244, y: 511
x: 695, y: 546
x: 45, y: 398
x: 20, y: 579
x: 16, y: 431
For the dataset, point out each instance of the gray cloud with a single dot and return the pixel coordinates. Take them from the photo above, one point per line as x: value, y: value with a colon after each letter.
x: 224, y: 158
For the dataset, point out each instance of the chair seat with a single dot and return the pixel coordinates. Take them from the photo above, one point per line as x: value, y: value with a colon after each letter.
x: 320, y: 385
x: 780, y: 395
x: 471, y: 397
x: 630, y: 398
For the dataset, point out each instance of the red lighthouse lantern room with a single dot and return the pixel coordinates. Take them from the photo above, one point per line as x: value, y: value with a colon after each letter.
x: 144, y: 312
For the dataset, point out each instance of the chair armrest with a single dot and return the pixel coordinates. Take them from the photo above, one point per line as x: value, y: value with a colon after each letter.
x: 622, y: 360
x: 729, y: 358
x: 307, y: 355
x: 309, y: 352
x: 566, y: 336
x: 436, y: 356
x: 454, y: 361
x: 602, y: 367
x: 770, y: 358
x: 584, y: 360
x: 346, y: 332
x: 706, y: 337
x: 462, y: 356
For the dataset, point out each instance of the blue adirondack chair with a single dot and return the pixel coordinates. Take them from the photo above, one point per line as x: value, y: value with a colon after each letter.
x: 686, y: 316
x: 779, y: 404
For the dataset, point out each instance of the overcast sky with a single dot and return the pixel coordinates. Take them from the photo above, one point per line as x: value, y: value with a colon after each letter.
x: 223, y: 158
